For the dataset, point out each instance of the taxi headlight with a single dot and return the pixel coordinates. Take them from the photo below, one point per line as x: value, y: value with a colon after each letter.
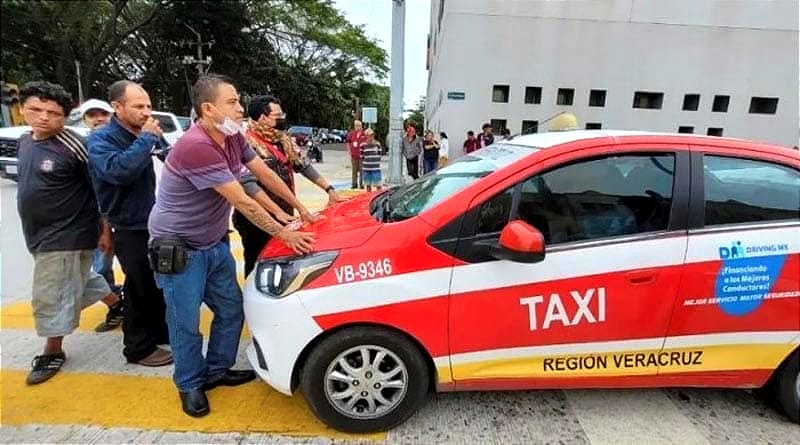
x: 280, y: 277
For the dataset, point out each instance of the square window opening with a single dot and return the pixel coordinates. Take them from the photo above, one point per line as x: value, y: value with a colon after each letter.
x: 691, y: 102
x: 648, y: 100
x: 597, y: 98
x: 530, y: 127
x: 533, y: 95
x: 721, y: 104
x: 500, y: 93
x: 565, y: 96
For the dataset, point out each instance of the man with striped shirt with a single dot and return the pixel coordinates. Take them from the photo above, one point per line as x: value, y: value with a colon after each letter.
x: 60, y: 221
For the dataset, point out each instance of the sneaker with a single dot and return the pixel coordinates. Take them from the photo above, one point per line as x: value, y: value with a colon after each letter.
x: 114, y: 317
x: 44, y: 367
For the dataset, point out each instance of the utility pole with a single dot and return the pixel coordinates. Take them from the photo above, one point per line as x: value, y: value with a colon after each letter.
x: 199, y: 61
x: 396, y: 97
x: 80, y: 86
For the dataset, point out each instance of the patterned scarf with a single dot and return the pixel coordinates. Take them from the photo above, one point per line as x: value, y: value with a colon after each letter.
x: 270, y: 134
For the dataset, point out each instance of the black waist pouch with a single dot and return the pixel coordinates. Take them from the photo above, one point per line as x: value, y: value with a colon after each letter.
x: 168, y: 255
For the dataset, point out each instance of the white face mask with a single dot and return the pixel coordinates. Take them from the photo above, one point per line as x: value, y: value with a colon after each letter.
x: 229, y: 127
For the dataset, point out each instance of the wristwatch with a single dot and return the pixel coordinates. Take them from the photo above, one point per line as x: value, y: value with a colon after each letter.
x: 329, y: 188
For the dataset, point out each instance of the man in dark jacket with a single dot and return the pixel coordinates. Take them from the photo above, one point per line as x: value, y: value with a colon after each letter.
x: 120, y: 161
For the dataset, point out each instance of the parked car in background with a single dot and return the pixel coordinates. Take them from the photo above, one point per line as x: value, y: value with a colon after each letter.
x: 301, y: 134
x: 185, y: 122
x: 330, y: 137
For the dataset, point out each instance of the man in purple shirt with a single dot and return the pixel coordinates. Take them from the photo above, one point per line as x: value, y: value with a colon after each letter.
x: 189, y: 239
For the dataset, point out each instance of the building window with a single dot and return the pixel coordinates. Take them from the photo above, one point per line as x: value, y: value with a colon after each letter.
x: 714, y: 131
x: 533, y: 95
x: 597, y: 98
x: 764, y: 105
x: 685, y: 129
x: 529, y: 127
x: 691, y: 102
x: 594, y: 125
x: 500, y: 93
x: 721, y: 104
x: 565, y: 96
x: 652, y: 101
x: 498, y: 125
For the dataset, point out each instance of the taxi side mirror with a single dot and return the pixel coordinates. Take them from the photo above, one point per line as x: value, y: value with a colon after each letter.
x: 519, y: 242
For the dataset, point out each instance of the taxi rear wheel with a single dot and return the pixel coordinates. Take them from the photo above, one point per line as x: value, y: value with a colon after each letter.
x: 787, y: 387
x: 364, y: 379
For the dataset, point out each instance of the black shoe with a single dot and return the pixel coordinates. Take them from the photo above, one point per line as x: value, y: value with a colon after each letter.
x: 195, y: 403
x: 231, y: 378
x: 44, y: 367
x: 114, y: 317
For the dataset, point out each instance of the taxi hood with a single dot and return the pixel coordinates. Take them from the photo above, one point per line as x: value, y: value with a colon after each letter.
x: 344, y: 225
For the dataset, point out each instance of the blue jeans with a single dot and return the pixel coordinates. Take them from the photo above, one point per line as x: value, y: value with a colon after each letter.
x: 210, y: 278
x: 430, y: 165
x: 103, y: 264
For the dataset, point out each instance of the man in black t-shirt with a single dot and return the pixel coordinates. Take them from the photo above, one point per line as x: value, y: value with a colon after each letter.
x: 60, y: 222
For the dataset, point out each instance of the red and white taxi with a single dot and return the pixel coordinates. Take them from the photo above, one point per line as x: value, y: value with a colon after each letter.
x: 592, y: 259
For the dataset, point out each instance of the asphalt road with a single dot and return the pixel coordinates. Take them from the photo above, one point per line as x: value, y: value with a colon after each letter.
x: 100, y: 399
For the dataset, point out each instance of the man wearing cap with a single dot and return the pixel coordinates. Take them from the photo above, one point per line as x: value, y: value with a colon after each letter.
x: 95, y: 113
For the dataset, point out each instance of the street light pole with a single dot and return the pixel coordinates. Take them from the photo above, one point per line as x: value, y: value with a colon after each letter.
x: 396, y: 97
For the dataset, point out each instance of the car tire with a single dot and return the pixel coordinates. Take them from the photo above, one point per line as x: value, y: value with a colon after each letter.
x: 325, y: 383
x: 787, y: 387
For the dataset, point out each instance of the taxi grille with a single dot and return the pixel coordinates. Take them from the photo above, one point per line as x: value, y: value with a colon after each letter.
x: 8, y: 148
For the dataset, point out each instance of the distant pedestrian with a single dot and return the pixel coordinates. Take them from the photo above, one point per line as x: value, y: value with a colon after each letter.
x: 120, y: 161
x: 486, y: 138
x: 96, y: 113
x: 505, y: 134
x: 199, y: 185
x: 444, y: 149
x: 354, y: 140
x: 371, y: 161
x: 60, y: 222
x: 471, y: 143
x: 430, y: 149
x: 412, y: 148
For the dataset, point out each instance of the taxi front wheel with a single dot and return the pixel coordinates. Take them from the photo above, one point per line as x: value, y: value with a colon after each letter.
x: 364, y: 379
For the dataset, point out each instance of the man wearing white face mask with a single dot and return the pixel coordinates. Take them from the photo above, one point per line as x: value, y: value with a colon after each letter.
x: 121, y: 167
x: 189, y: 247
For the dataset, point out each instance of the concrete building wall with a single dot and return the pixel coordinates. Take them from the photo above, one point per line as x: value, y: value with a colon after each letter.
x: 741, y: 49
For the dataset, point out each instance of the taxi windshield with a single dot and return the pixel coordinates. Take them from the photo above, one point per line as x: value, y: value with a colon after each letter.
x: 423, y: 193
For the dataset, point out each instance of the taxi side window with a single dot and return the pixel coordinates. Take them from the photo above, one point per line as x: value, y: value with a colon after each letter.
x: 494, y: 214
x: 600, y: 198
x: 742, y: 191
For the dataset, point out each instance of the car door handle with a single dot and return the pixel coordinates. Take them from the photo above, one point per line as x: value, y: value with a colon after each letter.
x: 643, y: 277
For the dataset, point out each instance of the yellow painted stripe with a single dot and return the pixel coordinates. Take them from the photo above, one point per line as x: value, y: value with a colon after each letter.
x: 20, y: 316
x: 152, y: 403
x: 711, y: 358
